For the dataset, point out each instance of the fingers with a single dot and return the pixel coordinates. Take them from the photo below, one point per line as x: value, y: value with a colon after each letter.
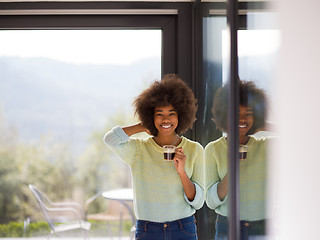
x: 179, y: 150
x: 179, y: 155
x: 145, y: 129
x: 179, y: 160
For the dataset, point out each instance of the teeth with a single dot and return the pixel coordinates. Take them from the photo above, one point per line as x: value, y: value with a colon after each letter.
x: 242, y: 126
x: 165, y: 126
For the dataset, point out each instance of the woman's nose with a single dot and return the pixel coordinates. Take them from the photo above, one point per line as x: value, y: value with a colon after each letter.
x: 165, y: 118
x: 242, y: 118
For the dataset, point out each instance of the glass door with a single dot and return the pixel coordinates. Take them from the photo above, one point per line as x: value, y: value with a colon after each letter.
x: 257, y: 46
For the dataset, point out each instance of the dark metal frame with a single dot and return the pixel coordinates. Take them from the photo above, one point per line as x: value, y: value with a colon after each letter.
x: 176, y: 50
x: 233, y: 122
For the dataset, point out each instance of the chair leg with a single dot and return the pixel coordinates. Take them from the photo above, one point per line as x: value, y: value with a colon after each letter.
x: 51, y: 233
x: 109, y: 230
x: 120, y: 226
x: 85, y: 234
x: 133, y: 232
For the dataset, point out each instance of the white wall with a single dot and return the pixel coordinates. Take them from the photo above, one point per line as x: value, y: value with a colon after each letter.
x: 295, y: 163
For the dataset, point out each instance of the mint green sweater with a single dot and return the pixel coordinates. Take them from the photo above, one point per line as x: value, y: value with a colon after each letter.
x: 157, y: 188
x: 252, y: 178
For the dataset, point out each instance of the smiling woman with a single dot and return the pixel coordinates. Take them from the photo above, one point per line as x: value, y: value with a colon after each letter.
x: 160, y: 185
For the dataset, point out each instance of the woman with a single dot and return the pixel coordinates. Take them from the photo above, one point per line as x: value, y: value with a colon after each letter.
x: 252, y: 165
x: 166, y: 194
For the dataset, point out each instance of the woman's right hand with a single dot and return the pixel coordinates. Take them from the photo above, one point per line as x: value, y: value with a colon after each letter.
x: 147, y: 131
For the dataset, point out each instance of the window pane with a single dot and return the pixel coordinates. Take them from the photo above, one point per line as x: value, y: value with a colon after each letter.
x: 60, y: 91
x: 214, y: 28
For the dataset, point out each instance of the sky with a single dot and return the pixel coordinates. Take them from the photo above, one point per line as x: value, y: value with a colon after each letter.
x: 96, y: 47
x: 113, y: 46
x: 120, y: 47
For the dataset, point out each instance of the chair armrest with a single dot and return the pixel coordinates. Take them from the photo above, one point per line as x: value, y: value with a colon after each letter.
x: 76, y: 213
x: 75, y: 205
x: 89, y: 201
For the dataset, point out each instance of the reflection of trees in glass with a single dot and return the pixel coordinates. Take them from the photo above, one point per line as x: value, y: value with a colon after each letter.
x: 49, y: 166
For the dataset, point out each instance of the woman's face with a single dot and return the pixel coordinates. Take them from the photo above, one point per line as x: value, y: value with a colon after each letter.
x: 165, y: 120
x: 245, y: 120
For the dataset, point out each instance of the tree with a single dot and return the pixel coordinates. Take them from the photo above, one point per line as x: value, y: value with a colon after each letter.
x: 45, y: 164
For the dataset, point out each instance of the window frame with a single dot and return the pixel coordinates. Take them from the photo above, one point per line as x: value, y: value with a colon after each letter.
x: 23, y: 16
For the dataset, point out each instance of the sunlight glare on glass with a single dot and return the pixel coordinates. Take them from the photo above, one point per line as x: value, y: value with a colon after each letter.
x: 252, y: 45
x: 118, y: 47
x: 254, y: 42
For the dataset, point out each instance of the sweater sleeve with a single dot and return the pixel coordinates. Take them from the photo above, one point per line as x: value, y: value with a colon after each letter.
x: 198, y: 179
x: 198, y: 200
x: 212, y: 178
x: 120, y: 143
x: 212, y: 199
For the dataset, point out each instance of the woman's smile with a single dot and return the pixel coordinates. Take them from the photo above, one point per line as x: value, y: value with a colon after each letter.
x: 242, y: 125
x: 166, y: 126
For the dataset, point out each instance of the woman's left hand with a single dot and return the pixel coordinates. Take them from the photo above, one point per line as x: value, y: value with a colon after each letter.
x: 180, y: 160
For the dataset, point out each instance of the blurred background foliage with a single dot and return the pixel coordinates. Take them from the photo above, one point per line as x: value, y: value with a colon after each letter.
x: 51, y: 167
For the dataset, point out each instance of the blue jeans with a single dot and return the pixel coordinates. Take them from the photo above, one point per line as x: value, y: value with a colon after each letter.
x: 249, y: 230
x: 182, y: 229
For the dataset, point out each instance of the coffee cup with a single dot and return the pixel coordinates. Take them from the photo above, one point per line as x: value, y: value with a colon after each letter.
x: 243, y: 150
x: 169, y: 152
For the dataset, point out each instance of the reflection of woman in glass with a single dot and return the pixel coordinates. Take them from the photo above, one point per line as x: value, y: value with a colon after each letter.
x: 252, y: 163
x: 166, y: 194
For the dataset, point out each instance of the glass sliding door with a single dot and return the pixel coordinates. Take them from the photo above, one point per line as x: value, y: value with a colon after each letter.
x: 60, y: 91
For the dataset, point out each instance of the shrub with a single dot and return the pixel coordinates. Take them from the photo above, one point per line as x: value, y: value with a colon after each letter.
x: 18, y: 229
